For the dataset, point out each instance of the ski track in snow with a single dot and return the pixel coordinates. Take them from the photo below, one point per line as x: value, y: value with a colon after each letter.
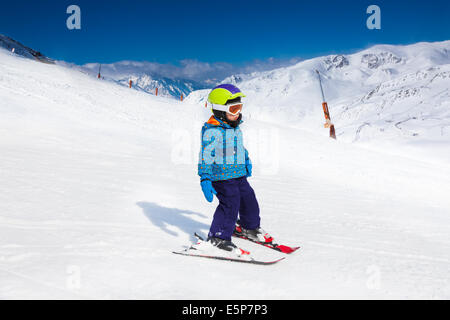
x: 92, y: 194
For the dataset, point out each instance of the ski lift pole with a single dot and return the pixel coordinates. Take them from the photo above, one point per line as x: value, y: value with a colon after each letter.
x: 328, y: 123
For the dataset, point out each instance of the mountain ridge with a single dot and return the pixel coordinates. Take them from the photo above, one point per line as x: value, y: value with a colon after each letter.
x: 22, y: 50
x: 383, y: 92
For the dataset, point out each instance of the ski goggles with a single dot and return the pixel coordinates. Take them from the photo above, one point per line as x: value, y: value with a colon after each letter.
x: 233, y: 108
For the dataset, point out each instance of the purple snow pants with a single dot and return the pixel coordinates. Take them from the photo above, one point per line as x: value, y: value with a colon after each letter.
x: 235, y: 196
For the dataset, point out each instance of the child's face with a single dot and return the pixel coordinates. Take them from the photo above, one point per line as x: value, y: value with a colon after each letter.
x: 231, y: 117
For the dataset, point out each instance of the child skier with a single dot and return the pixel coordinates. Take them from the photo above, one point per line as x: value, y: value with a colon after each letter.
x: 224, y: 166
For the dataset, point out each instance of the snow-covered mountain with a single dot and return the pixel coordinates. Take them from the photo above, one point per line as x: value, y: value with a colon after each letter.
x: 384, y: 93
x: 18, y: 48
x: 145, y: 78
x: 182, y: 77
x: 167, y: 87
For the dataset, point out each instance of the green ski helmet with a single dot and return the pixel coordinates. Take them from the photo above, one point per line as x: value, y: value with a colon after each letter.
x: 224, y: 92
x: 220, y: 96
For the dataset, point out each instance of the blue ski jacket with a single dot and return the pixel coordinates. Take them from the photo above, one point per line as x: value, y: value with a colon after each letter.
x: 222, y: 155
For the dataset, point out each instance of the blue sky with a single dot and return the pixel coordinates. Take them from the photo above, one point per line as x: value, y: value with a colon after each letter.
x: 236, y: 32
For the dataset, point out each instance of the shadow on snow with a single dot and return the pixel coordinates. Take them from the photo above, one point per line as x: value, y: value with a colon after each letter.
x: 163, y: 217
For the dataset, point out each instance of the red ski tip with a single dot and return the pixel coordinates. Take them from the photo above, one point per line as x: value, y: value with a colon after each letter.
x: 286, y: 249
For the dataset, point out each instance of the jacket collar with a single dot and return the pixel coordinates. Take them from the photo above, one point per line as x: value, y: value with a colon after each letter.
x: 213, y: 121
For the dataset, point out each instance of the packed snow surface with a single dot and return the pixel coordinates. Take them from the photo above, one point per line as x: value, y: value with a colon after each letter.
x: 99, y: 186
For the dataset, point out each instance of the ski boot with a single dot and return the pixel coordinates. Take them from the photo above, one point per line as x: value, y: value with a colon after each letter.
x: 256, y: 235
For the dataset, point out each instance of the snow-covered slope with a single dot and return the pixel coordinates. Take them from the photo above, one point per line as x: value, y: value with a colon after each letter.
x: 395, y: 94
x: 98, y: 186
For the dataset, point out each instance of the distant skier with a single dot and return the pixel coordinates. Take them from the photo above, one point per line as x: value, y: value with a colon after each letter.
x: 224, y: 166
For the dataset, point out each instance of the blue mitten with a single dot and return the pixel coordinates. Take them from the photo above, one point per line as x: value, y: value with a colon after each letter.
x: 208, y: 190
